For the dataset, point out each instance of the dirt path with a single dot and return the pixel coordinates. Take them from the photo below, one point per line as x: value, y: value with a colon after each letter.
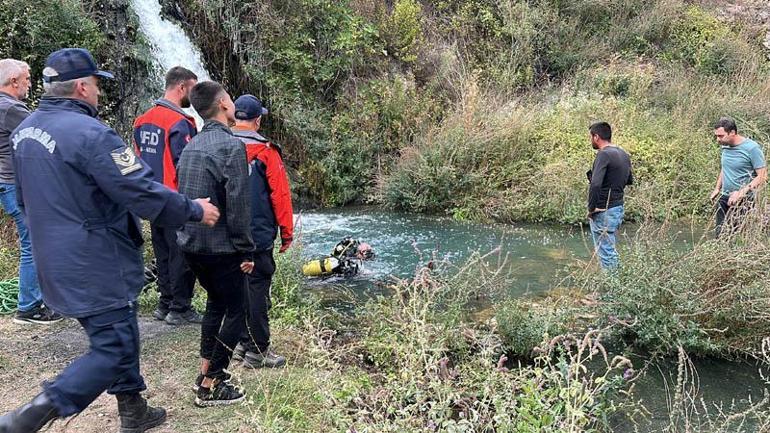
x: 32, y: 354
x: 282, y: 400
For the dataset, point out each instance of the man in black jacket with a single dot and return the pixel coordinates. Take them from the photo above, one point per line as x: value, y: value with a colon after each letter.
x: 213, y: 164
x: 609, y: 176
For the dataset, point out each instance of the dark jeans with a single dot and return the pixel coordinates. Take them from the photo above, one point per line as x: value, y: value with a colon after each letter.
x: 175, y: 279
x: 111, y: 364
x: 225, y: 318
x: 257, y: 335
x: 730, y: 218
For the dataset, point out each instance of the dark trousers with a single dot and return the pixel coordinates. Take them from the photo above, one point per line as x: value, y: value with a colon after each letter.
x: 175, y: 279
x: 257, y: 335
x: 225, y: 318
x: 730, y: 218
x: 111, y: 364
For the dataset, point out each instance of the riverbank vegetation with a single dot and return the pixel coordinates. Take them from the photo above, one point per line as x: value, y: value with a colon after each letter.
x: 418, y: 357
x: 480, y: 108
x: 708, y: 299
x: 421, y: 357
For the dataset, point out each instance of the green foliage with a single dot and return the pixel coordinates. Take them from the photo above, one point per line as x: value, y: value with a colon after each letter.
x: 405, y: 29
x: 433, y: 370
x: 105, y: 27
x: 31, y: 33
x: 527, y: 160
x: 291, y: 304
x: 362, y: 139
x: 702, y: 41
x: 411, y: 105
x: 524, y: 325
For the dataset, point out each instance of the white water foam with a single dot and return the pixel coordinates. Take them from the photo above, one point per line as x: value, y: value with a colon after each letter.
x: 171, y: 46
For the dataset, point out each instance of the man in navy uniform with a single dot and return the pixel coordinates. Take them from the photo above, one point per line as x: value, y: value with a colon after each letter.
x: 82, y: 190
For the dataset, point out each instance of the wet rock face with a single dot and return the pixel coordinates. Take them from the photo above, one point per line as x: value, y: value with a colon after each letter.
x: 171, y: 10
x: 220, y: 57
x: 128, y: 56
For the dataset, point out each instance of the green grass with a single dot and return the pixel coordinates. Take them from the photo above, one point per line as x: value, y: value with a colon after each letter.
x: 277, y: 400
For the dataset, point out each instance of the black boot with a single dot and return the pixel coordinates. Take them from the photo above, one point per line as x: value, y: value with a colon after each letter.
x: 136, y: 416
x: 29, y: 418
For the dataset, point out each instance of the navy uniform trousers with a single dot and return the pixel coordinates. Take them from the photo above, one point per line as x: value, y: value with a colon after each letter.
x: 114, y: 353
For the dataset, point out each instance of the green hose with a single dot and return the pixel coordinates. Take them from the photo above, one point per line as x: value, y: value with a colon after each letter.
x: 9, y: 294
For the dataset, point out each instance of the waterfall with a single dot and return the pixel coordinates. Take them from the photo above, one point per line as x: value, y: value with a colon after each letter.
x: 171, y: 46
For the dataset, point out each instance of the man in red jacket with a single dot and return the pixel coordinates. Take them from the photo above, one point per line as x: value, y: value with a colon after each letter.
x: 271, y: 210
x: 160, y: 134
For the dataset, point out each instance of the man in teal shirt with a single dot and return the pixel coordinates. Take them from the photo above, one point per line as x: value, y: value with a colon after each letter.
x: 743, y: 171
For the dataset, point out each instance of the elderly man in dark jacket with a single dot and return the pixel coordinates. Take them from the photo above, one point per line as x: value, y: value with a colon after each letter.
x: 82, y: 189
x: 14, y: 86
x: 213, y: 164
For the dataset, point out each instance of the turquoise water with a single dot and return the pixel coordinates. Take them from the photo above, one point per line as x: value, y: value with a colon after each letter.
x: 532, y: 254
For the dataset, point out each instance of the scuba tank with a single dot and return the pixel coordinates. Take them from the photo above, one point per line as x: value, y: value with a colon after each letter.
x: 320, y: 267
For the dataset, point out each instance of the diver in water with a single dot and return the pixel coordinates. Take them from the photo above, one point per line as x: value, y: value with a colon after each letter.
x: 346, y: 259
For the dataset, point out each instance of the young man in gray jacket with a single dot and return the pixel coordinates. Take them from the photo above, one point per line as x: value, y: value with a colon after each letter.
x: 213, y: 164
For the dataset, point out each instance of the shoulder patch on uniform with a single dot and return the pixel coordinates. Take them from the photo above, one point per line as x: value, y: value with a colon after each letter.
x: 125, y: 160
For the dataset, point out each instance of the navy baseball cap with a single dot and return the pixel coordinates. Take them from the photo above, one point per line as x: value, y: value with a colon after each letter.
x: 71, y: 63
x: 248, y: 107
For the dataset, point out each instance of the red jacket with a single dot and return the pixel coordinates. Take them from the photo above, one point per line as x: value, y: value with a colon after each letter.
x: 271, y: 193
x: 160, y: 134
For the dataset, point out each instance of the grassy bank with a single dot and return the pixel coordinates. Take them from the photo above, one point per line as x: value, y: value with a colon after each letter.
x: 708, y: 299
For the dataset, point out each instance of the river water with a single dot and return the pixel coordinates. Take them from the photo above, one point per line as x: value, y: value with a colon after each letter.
x: 536, y: 258
x: 402, y: 242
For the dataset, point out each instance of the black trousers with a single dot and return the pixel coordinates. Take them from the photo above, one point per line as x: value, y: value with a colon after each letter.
x: 225, y: 318
x: 730, y: 218
x: 175, y: 279
x: 257, y: 335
